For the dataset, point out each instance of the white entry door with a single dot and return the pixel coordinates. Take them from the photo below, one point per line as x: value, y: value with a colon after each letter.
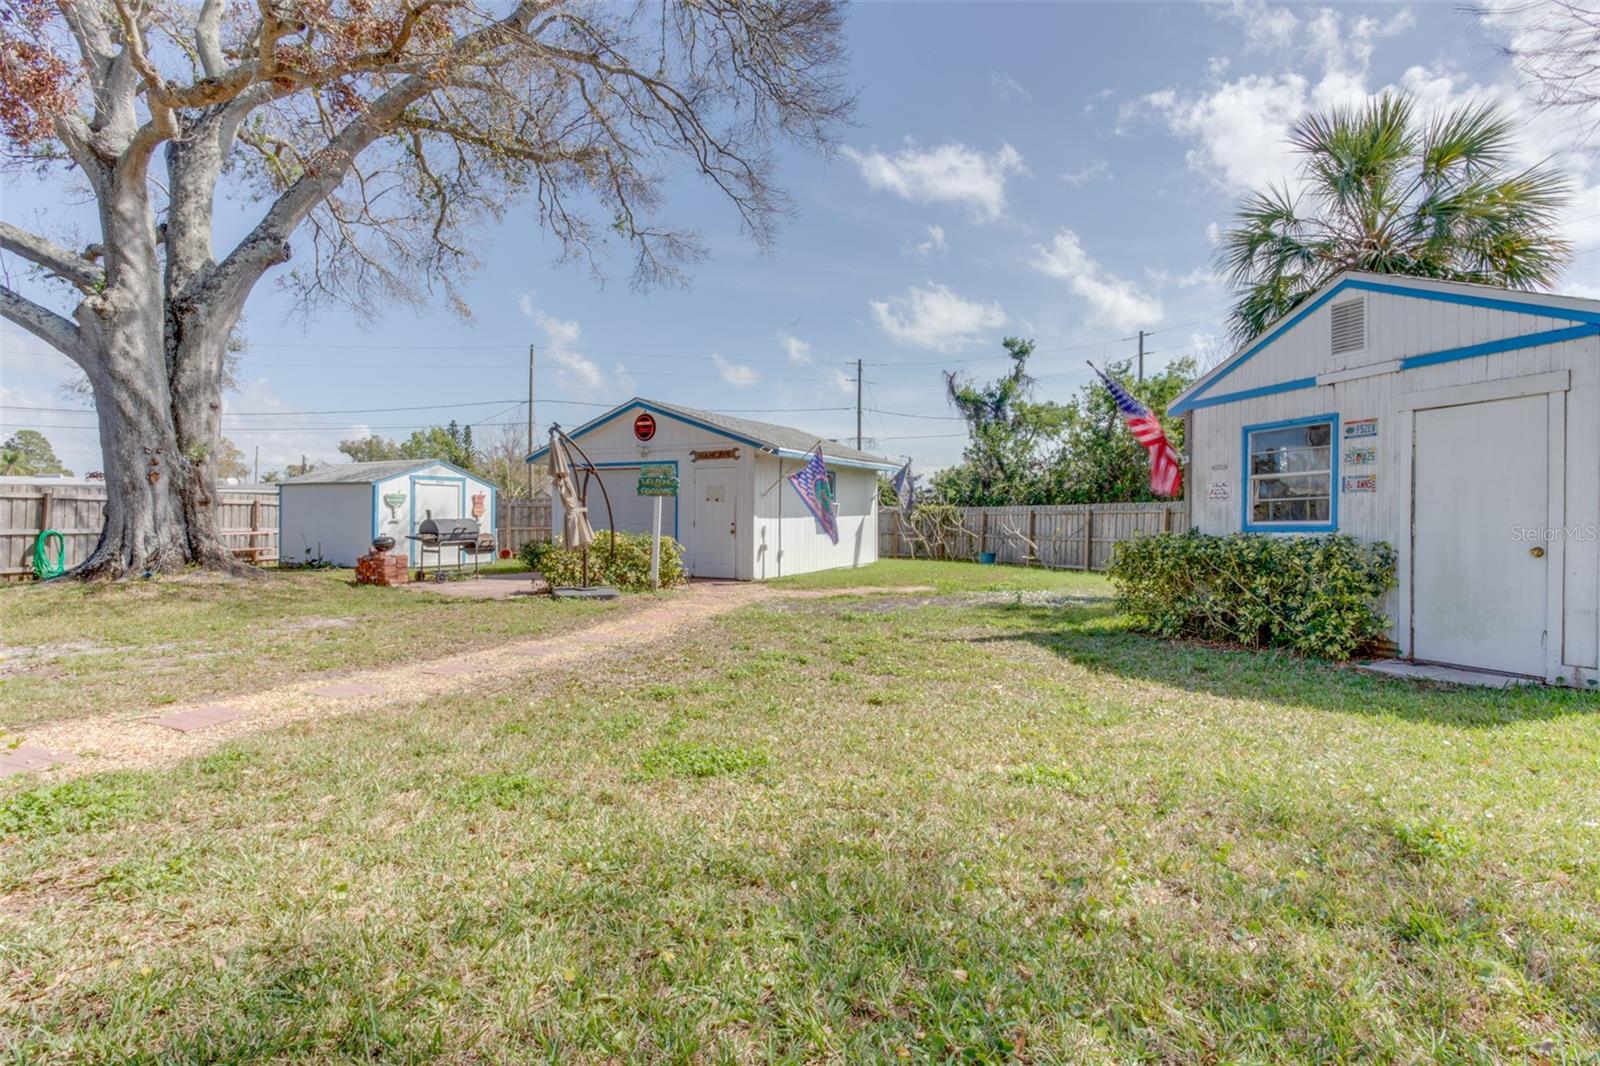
x: 1480, y: 488
x: 715, y: 529
x: 436, y: 499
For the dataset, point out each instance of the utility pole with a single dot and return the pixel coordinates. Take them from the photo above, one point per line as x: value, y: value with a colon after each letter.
x: 258, y: 464
x: 1141, y: 355
x: 530, y: 423
x: 858, y: 405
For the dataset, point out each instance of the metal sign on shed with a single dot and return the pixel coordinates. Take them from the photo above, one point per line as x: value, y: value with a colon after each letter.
x: 658, y: 480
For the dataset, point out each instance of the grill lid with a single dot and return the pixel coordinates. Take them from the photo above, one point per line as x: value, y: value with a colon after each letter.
x: 448, y: 530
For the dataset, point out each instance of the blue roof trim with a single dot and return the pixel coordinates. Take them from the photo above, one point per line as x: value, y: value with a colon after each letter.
x: 1504, y: 344
x: 1246, y: 394
x: 596, y: 423
x: 645, y: 405
x: 1493, y: 303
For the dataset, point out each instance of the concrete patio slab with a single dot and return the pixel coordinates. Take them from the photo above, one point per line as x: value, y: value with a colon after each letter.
x: 1449, y: 675
x: 482, y: 587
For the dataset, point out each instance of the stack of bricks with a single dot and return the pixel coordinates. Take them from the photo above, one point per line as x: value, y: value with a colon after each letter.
x: 382, y: 568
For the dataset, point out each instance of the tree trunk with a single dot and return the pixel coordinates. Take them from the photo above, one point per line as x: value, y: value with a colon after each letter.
x: 144, y: 530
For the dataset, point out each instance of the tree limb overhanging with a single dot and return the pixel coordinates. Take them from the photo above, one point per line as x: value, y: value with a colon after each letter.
x: 378, y: 133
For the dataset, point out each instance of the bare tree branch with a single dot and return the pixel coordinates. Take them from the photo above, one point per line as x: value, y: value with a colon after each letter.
x: 55, y: 330
x: 57, y: 260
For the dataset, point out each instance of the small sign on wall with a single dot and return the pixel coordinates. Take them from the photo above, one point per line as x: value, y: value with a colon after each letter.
x: 1360, y: 427
x: 1219, y: 490
x: 1360, y: 456
x: 1359, y: 483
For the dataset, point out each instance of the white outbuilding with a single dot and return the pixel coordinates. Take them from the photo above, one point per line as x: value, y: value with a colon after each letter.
x: 736, y: 513
x: 337, y: 511
x: 1459, y: 423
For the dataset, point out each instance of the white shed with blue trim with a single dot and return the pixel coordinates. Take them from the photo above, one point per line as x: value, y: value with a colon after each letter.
x: 735, y: 514
x: 337, y: 511
x: 1460, y: 423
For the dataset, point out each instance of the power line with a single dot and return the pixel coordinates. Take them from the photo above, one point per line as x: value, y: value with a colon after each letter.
x: 419, y: 407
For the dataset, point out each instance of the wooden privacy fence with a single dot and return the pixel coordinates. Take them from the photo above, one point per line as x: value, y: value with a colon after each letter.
x: 521, y: 521
x: 1077, y: 536
x: 248, y: 516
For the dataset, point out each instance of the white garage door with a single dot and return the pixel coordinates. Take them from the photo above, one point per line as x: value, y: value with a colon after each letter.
x: 632, y: 511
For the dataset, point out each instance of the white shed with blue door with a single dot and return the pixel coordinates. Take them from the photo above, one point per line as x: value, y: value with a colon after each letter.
x: 736, y: 513
x: 337, y: 511
x: 1459, y: 423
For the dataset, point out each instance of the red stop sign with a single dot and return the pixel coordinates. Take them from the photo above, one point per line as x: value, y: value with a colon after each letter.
x: 644, y: 427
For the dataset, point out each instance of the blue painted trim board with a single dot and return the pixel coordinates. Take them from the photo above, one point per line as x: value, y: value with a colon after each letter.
x: 1493, y: 303
x: 1333, y: 484
x: 1412, y: 362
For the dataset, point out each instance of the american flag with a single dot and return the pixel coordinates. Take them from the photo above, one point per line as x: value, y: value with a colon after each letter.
x: 811, y: 482
x: 1166, y: 475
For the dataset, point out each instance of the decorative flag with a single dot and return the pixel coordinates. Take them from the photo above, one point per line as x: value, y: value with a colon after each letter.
x: 811, y: 482
x: 905, y: 485
x: 1166, y: 475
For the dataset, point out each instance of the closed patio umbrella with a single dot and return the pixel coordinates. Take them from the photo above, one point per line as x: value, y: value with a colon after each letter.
x: 576, y: 530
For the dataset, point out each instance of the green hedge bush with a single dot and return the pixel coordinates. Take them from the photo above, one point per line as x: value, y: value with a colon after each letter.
x: 629, y: 570
x: 1317, y: 595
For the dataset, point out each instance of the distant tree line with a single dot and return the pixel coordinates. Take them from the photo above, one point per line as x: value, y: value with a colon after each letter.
x: 1024, y: 451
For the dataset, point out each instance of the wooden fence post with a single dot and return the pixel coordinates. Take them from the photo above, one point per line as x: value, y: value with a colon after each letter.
x: 1088, y: 539
x: 983, y: 532
x: 46, y: 501
x: 1033, y: 536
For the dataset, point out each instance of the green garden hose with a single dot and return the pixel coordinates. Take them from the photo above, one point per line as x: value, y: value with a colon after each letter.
x: 48, y: 564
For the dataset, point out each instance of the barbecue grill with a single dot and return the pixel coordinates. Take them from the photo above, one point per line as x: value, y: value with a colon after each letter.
x: 436, y: 534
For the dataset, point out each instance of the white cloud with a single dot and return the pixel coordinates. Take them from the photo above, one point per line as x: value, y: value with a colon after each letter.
x: 735, y: 374
x: 936, y: 318
x: 577, y: 376
x: 1200, y: 275
x: 1008, y: 87
x: 1093, y: 172
x: 936, y: 244
x: 798, y: 351
x: 1239, y: 129
x: 1096, y: 98
x: 1213, y: 234
x: 950, y: 173
x: 1113, y: 301
x: 844, y: 382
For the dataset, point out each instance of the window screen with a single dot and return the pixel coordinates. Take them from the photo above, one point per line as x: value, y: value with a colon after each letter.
x: 1291, y: 474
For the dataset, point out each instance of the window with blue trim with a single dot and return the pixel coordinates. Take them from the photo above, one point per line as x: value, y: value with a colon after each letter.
x: 1291, y: 474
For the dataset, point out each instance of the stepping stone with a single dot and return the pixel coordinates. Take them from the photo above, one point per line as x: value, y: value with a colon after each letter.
x: 201, y: 717
x: 451, y: 669
x: 347, y: 689
x: 25, y: 758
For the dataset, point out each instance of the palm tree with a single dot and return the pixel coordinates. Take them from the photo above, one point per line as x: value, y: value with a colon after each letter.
x: 1382, y: 193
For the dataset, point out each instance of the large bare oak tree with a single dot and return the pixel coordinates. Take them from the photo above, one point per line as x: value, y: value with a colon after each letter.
x: 378, y: 133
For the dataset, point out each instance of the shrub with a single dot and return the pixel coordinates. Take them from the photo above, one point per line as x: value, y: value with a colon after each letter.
x: 629, y: 570
x: 1317, y: 595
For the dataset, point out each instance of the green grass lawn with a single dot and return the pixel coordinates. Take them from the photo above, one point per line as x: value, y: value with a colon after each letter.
x: 839, y: 831
x: 947, y: 577
x: 72, y: 649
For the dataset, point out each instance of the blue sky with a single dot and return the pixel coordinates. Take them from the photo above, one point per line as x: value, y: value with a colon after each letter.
x: 1055, y: 171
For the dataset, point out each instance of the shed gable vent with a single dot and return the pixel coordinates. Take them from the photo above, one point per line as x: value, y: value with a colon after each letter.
x: 1349, y: 326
